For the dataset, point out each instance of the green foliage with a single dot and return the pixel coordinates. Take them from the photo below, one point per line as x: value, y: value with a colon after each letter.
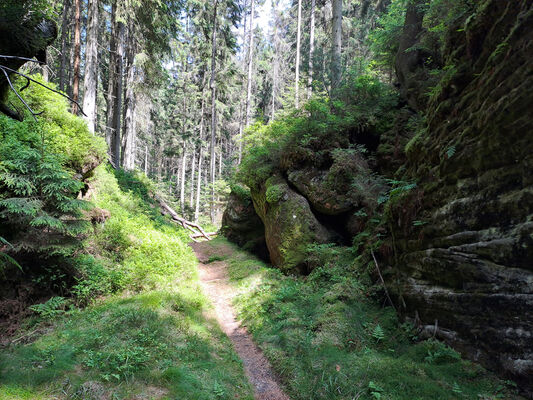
x: 384, y: 39
x: 52, y: 308
x: 309, y: 134
x: 274, y: 193
x: 127, y: 345
x: 38, y: 160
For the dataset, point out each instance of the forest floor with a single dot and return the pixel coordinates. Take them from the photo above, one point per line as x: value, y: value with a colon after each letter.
x: 214, y: 281
x: 327, y: 336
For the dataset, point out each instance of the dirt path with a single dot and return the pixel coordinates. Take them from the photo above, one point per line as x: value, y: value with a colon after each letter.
x: 214, y: 282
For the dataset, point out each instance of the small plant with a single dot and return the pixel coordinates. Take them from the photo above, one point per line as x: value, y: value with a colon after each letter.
x: 52, y: 308
x: 450, y: 152
x: 439, y: 353
x: 219, y: 390
x: 378, y: 333
x: 375, y: 390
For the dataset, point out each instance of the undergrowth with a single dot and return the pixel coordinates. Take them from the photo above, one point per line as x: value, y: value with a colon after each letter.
x: 151, y: 339
x: 328, y: 336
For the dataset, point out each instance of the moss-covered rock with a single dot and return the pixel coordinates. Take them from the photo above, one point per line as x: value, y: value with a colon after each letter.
x: 470, y: 264
x: 290, y: 225
x: 242, y: 226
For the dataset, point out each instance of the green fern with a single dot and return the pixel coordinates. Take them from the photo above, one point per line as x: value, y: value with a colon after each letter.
x: 378, y: 333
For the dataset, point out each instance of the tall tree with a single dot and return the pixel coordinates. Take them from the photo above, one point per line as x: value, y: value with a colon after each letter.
x: 311, y: 49
x: 64, y: 44
x: 77, y: 52
x: 336, y: 24
x: 250, y: 64
x: 213, y: 87
x: 91, y: 65
x: 298, y: 40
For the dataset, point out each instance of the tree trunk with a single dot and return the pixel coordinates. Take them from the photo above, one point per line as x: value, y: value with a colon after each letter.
x: 182, y: 189
x: 193, y: 171
x: 64, y: 44
x: 298, y: 39
x: 241, y: 105
x: 91, y: 65
x: 146, y: 160
x: 250, y: 66
x: 77, y: 47
x: 128, y: 140
x: 311, y: 50
x: 336, y: 44
x: 200, y: 158
x: 112, y: 84
x: 212, y: 84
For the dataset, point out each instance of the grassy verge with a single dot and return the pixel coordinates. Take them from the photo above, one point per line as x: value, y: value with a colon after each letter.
x: 145, y: 332
x: 328, y: 339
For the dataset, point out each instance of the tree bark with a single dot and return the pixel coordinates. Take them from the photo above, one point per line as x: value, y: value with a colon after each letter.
x: 64, y: 44
x: 336, y: 43
x: 212, y: 84
x: 200, y: 159
x: 77, y: 47
x: 298, y: 39
x: 182, y: 188
x: 311, y: 50
x: 91, y: 65
x: 241, y: 105
x: 193, y: 171
x: 250, y: 66
x: 129, y: 135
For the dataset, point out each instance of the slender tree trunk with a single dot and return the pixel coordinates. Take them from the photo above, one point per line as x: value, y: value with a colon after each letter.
x: 250, y: 66
x: 311, y: 50
x: 275, y: 61
x: 128, y: 140
x: 64, y: 45
x: 183, y: 170
x: 200, y: 159
x: 198, y: 185
x: 112, y: 84
x: 77, y: 47
x: 90, y: 83
x: 241, y: 105
x: 146, y: 160
x: 117, y: 100
x: 212, y: 84
x: 298, y: 39
x: 193, y: 171
x: 336, y: 43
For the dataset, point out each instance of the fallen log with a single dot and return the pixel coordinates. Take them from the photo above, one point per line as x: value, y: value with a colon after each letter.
x: 199, y: 235
x: 196, y: 229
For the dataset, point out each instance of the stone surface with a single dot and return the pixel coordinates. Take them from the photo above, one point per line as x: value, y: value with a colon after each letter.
x: 242, y: 226
x: 470, y: 267
x: 290, y: 225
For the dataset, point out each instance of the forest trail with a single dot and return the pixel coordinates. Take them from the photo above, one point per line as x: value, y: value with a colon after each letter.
x: 214, y: 283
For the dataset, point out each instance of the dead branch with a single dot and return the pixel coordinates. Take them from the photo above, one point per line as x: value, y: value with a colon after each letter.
x: 197, y: 230
x: 33, y: 113
x: 4, y: 68
x: 382, y: 280
x: 199, y: 235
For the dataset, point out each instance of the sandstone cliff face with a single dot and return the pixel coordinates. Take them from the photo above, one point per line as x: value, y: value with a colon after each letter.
x: 470, y: 267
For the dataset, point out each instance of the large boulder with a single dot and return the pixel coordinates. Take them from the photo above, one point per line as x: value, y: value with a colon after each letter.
x: 290, y: 225
x: 242, y: 226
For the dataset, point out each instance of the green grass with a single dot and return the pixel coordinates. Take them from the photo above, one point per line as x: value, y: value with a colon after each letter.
x: 328, y: 338
x: 145, y: 332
